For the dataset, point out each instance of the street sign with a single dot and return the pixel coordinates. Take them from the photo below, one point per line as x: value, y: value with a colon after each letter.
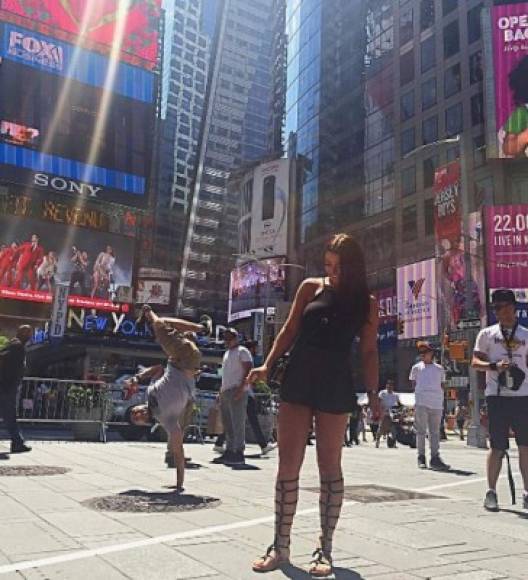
x: 59, y: 311
x: 466, y: 324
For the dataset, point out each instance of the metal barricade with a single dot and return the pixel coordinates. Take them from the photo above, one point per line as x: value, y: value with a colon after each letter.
x: 45, y: 400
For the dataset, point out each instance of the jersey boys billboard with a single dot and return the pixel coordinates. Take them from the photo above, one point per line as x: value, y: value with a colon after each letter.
x: 94, y: 24
x: 60, y: 130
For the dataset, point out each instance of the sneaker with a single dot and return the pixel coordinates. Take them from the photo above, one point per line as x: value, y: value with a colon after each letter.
x: 269, y: 447
x: 219, y: 449
x: 437, y: 464
x: 236, y: 458
x: 422, y: 463
x: 207, y: 325
x: 491, y: 503
x: 20, y: 448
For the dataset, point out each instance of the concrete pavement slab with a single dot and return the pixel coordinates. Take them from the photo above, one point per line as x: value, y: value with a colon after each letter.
x: 85, y: 570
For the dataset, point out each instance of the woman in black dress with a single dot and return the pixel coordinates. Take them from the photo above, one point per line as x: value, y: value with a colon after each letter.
x: 326, y: 317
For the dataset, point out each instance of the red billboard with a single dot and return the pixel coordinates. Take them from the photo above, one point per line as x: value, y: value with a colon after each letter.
x: 94, y: 24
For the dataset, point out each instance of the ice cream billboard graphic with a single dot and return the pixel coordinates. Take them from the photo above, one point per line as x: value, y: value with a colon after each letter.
x: 506, y: 228
x: 510, y: 77
x: 94, y: 24
x: 417, y: 299
x: 450, y: 250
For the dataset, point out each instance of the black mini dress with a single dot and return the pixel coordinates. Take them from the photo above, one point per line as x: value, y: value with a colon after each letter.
x: 318, y: 373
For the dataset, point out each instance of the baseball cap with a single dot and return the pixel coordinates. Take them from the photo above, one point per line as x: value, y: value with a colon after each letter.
x: 424, y: 346
x: 232, y: 331
x: 503, y: 295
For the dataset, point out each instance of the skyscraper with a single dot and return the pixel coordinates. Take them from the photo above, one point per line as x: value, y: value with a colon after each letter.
x: 234, y: 131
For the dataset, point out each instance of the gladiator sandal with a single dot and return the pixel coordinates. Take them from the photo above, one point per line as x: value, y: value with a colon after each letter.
x: 278, y: 554
x: 330, y: 502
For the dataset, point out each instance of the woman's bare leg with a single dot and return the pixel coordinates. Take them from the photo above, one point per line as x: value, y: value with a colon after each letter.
x: 176, y: 444
x: 329, y: 433
x: 294, y: 423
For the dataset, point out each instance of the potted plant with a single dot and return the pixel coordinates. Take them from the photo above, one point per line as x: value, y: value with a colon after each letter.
x: 89, y: 407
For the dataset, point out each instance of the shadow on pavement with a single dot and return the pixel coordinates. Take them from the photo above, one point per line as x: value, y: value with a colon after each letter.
x: 522, y: 514
x: 460, y: 472
x: 244, y: 467
x: 192, y: 465
x: 257, y: 456
x: 296, y: 573
x: 4, y: 455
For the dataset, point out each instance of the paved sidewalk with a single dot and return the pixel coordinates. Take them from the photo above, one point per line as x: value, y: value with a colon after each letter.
x: 47, y: 532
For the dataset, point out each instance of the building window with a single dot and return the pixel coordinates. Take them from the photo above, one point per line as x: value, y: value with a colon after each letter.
x: 408, y: 142
x: 430, y: 130
x: 475, y: 68
x: 428, y: 93
x: 477, y: 109
x: 407, y: 67
x: 479, y: 150
x: 448, y: 6
x: 429, y: 216
x: 473, y: 24
x: 428, y: 54
x: 409, y: 223
x: 407, y: 105
x: 408, y: 180
x: 429, y: 168
x: 452, y: 81
x: 453, y: 153
x: 427, y: 14
x: 451, y: 39
x: 406, y: 24
x: 453, y: 120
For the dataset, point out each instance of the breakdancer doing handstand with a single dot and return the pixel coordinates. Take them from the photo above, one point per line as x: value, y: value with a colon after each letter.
x: 168, y: 396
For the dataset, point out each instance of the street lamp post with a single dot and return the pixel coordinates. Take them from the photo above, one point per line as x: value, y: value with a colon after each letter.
x: 475, y: 436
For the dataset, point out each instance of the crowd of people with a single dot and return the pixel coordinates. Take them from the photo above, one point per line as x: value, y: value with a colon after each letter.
x: 327, y: 316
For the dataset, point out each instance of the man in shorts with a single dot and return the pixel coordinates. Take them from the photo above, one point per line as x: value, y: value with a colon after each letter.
x: 501, y: 351
x: 169, y: 396
x: 388, y: 399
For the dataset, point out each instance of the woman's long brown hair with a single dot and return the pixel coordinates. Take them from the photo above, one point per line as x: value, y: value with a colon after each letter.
x: 353, y: 291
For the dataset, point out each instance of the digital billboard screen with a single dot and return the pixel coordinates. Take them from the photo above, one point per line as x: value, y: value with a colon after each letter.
x: 94, y: 24
x: 87, y: 146
x: 37, y: 255
x: 153, y: 292
x: 254, y: 285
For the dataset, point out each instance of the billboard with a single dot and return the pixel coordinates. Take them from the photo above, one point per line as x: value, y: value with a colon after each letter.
x: 263, y: 228
x: 89, y: 147
x: 153, y: 292
x: 417, y: 299
x: 254, y: 285
x: 35, y: 256
x: 506, y: 228
x: 509, y: 26
x: 99, y: 25
x: 388, y: 313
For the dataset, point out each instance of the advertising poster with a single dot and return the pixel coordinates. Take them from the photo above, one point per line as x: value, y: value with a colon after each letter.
x: 510, y: 69
x: 450, y: 251
x: 153, y: 292
x: 35, y: 256
x: 388, y: 314
x: 94, y: 24
x: 417, y: 299
x: 249, y: 289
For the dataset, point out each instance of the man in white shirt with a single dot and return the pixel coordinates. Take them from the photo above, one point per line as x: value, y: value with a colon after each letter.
x: 233, y: 398
x: 501, y: 351
x: 427, y: 380
x: 388, y: 399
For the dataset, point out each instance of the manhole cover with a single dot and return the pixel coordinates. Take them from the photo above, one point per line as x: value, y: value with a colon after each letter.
x: 151, y: 502
x: 31, y: 470
x: 379, y: 493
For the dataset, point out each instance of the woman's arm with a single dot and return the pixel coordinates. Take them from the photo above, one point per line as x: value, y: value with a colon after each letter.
x: 368, y: 343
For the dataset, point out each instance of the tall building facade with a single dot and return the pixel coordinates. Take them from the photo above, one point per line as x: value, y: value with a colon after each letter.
x: 234, y: 131
x: 373, y: 91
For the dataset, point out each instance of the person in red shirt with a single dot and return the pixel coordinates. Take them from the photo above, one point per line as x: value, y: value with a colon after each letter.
x: 8, y: 260
x: 30, y: 255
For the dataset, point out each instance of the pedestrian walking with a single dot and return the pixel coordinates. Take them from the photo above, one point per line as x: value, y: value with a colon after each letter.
x: 427, y: 380
x: 388, y: 400
x: 373, y: 422
x: 326, y: 317
x: 501, y: 351
x: 169, y: 395
x: 362, y: 427
x: 353, y: 428
x: 460, y: 418
x: 12, y: 367
x: 237, y: 363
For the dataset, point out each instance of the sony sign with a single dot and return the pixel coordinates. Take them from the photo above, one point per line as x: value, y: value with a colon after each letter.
x: 36, y: 50
x: 66, y: 185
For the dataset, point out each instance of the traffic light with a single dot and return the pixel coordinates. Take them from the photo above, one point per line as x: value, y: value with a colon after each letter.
x: 401, y: 326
